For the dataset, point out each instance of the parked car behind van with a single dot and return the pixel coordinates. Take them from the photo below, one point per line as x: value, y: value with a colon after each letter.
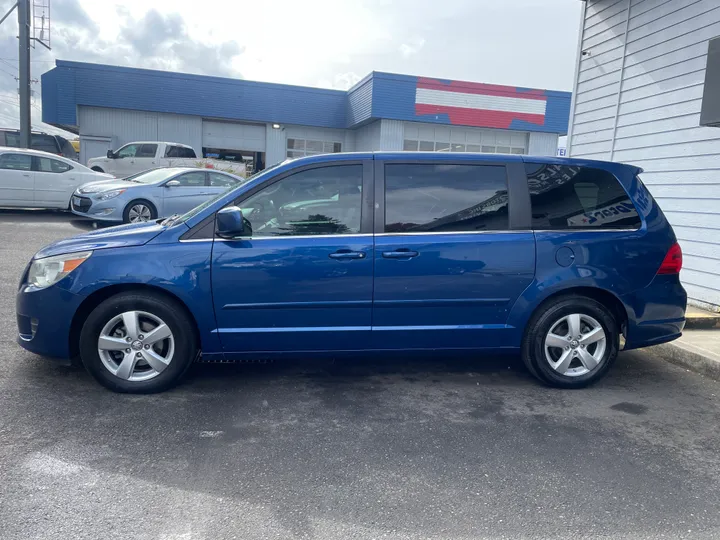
x: 554, y: 259
x: 54, y: 144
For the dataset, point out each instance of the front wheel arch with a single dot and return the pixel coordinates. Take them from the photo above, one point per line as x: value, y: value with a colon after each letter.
x: 96, y: 298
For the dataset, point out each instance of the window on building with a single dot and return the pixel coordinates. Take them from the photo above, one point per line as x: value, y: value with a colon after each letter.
x: 573, y: 197
x: 304, y: 147
x: 442, y: 146
x: 438, y: 198
x: 51, y: 165
x: 147, y: 151
x: 326, y: 200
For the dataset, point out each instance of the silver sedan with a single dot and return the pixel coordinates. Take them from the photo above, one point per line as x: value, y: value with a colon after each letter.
x: 150, y: 194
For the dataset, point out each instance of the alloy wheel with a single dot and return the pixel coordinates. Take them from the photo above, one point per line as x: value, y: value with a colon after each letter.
x: 575, y: 345
x: 139, y: 213
x: 136, y: 346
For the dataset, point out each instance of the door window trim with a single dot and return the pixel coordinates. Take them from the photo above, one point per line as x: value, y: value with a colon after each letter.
x: 518, y: 193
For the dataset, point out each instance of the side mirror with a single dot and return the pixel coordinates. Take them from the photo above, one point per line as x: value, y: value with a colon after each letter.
x: 231, y: 223
x: 173, y: 183
x: 110, y: 154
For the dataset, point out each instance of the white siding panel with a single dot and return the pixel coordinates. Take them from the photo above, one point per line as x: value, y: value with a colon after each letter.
x: 124, y: 125
x: 697, y: 36
x: 607, y: 68
x: 677, y: 137
x: 608, y: 39
x: 593, y: 136
x: 680, y: 190
x: 668, y: 111
x: 708, y: 176
x: 656, y: 127
x: 700, y: 264
x: 694, y: 204
x: 701, y: 294
x: 674, y: 20
x: 593, y: 126
x: 656, y: 38
x: 698, y: 148
x: 595, y: 94
x: 710, y: 222
x: 599, y: 57
x: 701, y: 249
x: 655, y: 13
x: 641, y: 6
x: 633, y: 68
x: 591, y: 148
x: 595, y: 13
x: 663, y: 99
x: 678, y: 163
x: 603, y: 104
x: 275, y: 145
x: 693, y: 234
x: 367, y: 137
x: 392, y: 133
x: 666, y: 73
x: 600, y: 81
x: 680, y: 82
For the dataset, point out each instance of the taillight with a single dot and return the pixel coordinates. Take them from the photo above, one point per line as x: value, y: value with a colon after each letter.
x: 672, y: 263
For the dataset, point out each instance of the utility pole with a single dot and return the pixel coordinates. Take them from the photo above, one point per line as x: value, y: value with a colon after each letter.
x: 24, y: 70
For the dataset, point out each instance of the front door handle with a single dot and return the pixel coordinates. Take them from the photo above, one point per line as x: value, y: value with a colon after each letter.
x: 347, y: 254
x: 402, y: 253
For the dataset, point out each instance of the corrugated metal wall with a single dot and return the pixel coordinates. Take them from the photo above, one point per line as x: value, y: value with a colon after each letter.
x: 391, y: 134
x: 542, y: 144
x: 638, y: 100
x: 367, y: 137
x: 127, y: 126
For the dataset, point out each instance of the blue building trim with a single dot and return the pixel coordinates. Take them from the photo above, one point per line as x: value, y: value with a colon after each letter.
x: 377, y: 96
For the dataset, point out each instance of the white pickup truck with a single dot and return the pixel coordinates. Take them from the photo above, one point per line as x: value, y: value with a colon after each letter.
x: 140, y: 156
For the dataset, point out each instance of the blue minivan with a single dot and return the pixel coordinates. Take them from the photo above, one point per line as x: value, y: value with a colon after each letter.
x: 563, y: 261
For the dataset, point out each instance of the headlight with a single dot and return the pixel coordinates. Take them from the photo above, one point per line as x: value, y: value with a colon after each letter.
x: 50, y: 270
x: 105, y: 195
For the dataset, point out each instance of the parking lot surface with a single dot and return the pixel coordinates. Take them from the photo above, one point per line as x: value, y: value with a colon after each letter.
x: 405, y: 448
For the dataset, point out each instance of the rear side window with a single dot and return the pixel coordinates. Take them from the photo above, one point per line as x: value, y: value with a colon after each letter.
x: 46, y: 143
x: 221, y: 180
x: 572, y: 197
x: 440, y: 198
x: 51, y: 165
x: 187, y: 153
x: 146, y: 151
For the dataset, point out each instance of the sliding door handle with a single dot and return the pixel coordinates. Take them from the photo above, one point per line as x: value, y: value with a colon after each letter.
x: 400, y: 254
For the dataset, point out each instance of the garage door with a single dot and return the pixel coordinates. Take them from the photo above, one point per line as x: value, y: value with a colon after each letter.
x: 233, y: 136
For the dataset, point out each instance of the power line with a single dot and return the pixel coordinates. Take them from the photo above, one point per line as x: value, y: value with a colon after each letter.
x: 36, y: 61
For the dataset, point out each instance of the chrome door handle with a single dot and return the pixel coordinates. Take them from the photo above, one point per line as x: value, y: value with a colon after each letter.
x: 400, y: 254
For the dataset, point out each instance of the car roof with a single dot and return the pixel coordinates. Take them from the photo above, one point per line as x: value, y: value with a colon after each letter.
x: 159, y: 142
x: 30, y: 151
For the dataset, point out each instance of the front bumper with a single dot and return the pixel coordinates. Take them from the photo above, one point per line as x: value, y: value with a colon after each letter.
x: 81, y: 205
x: 44, y: 319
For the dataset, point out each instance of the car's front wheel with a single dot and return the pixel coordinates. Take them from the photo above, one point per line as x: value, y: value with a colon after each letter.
x: 571, y: 342
x: 139, y: 211
x: 138, y: 343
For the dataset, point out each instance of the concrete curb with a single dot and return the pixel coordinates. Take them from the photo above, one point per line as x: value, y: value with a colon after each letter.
x: 689, y: 356
x: 702, y: 323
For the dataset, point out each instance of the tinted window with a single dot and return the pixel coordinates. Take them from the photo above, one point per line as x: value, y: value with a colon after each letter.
x: 147, y: 151
x: 221, y: 180
x: 172, y: 151
x: 12, y: 139
x: 51, y: 165
x: 572, y: 197
x: 429, y: 197
x: 46, y: 143
x: 316, y: 201
x: 16, y: 162
x: 187, y: 153
x: 67, y: 149
x: 191, y: 179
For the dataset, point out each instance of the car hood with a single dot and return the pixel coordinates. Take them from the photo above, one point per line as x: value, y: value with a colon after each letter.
x: 133, y: 234
x: 106, y: 185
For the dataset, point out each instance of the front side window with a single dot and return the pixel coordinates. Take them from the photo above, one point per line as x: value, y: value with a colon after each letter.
x: 128, y: 151
x: 326, y: 200
x: 191, y: 179
x: 51, y: 165
x: 147, y: 151
x: 16, y: 162
x: 445, y: 198
x: 574, y: 197
x: 221, y: 180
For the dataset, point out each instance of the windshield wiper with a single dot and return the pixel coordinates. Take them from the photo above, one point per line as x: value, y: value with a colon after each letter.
x: 169, y: 221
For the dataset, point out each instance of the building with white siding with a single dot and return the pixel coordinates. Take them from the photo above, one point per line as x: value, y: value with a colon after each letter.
x: 264, y: 123
x: 639, y: 85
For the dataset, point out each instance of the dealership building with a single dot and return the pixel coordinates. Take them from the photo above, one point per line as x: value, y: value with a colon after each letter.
x: 264, y: 123
x: 647, y: 92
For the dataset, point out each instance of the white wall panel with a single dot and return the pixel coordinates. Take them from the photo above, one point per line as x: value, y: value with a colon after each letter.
x: 542, y: 144
x: 391, y: 134
x: 233, y: 135
x: 367, y: 137
x: 275, y: 145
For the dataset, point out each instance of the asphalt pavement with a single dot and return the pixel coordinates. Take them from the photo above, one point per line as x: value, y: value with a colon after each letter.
x: 402, y: 448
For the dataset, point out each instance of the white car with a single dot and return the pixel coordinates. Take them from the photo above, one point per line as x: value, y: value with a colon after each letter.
x: 136, y: 157
x: 35, y: 179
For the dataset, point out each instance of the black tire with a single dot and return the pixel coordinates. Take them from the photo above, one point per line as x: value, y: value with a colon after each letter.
x: 169, y: 311
x: 151, y: 206
x: 542, y: 321
x: 97, y: 169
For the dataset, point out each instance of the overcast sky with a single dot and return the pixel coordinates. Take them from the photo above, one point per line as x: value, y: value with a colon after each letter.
x: 325, y: 43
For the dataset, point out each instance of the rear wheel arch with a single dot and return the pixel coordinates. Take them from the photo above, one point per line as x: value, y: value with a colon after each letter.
x: 96, y: 298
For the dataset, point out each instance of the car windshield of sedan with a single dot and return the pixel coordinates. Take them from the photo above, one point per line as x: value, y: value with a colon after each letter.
x: 153, y: 175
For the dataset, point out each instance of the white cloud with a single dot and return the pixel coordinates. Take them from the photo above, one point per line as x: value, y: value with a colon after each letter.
x: 412, y: 47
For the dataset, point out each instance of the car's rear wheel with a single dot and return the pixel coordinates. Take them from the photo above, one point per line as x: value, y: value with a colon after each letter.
x: 139, y: 211
x: 571, y: 342
x: 138, y: 343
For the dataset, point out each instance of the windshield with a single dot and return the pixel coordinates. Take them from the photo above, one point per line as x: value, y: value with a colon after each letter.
x: 152, y: 176
x: 195, y: 211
